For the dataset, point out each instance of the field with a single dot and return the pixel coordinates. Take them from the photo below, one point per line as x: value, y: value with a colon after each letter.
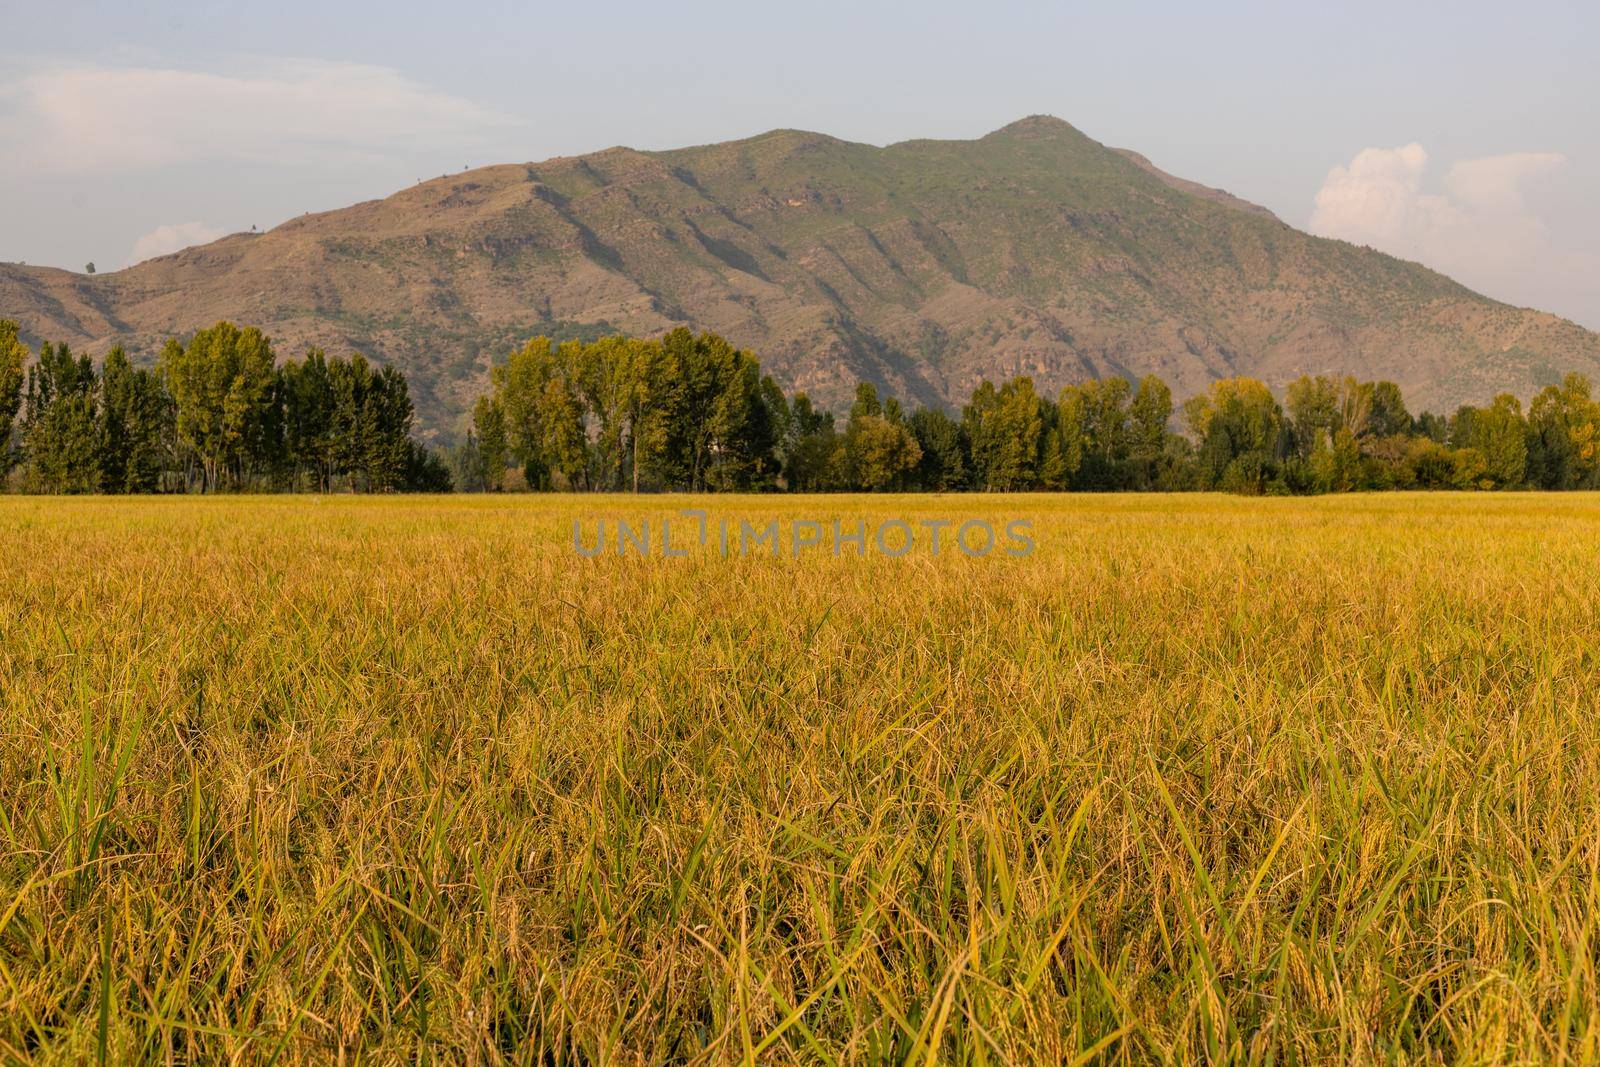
x: 408, y: 780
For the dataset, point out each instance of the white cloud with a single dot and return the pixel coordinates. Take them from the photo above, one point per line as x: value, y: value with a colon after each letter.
x: 172, y: 237
x: 1377, y: 199
x: 1479, y: 229
x: 85, y: 118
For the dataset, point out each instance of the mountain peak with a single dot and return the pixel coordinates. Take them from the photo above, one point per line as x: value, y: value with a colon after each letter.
x: 1038, y: 126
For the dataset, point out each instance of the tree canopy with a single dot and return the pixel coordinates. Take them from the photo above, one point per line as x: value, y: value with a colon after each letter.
x: 686, y: 411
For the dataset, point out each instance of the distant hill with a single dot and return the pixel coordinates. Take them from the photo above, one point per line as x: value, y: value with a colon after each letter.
x: 924, y: 266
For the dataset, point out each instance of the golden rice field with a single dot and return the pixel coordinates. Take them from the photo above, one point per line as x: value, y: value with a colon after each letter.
x: 409, y: 780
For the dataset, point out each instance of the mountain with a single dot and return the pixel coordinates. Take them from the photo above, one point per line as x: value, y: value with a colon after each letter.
x: 924, y: 266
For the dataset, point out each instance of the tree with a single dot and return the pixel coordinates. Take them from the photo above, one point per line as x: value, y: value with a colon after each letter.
x: 1563, y: 436
x: 426, y: 472
x: 59, y: 433
x: 1313, y: 408
x: 1148, y: 416
x: 466, y: 465
x: 372, y: 416
x: 349, y: 380
x: 220, y: 383
x: 1434, y: 427
x: 809, y: 457
x: 1067, y: 439
x: 645, y: 391
x: 1101, y: 406
x: 707, y: 396
x: 1240, y: 430
x: 1389, y: 416
x: 866, y: 401
x: 237, y: 419
x: 878, y: 453
x: 561, y: 444
x: 1355, y: 407
x: 1499, y: 434
x: 88, y: 268
x: 740, y: 432
x: 537, y: 390
x: 685, y: 411
x: 942, y: 466
x: 772, y: 434
x: 1341, y: 468
x: 489, y: 423
x: 1005, y: 429
x: 606, y: 383
x: 308, y: 406
x: 386, y: 432
x: 13, y: 357
x: 135, y: 421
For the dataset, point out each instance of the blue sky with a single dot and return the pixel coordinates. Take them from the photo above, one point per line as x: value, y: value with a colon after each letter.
x: 1464, y: 135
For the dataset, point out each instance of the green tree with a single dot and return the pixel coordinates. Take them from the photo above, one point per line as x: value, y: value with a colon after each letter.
x: 426, y: 471
x: 1005, y: 429
x: 1499, y: 434
x: 1101, y: 409
x: 1067, y: 439
x: 13, y: 357
x: 1312, y: 404
x: 466, y: 465
x: 1355, y: 407
x: 221, y: 384
x: 707, y: 395
x: 942, y: 467
x: 866, y: 402
x: 1563, y: 436
x: 135, y: 427
x: 741, y: 430
x: 770, y: 435
x: 1240, y: 430
x: 1434, y: 427
x: 1148, y: 416
x: 537, y: 389
x: 809, y: 464
x: 606, y: 379
x: 372, y: 417
x: 60, y: 438
x: 489, y: 424
x: 389, y: 452
x: 878, y: 454
x: 1389, y: 416
x: 308, y: 404
x: 349, y: 381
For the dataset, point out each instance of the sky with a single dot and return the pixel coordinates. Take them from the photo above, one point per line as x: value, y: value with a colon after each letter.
x: 1463, y: 135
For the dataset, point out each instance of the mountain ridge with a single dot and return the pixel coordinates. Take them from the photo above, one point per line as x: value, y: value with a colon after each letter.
x: 924, y: 266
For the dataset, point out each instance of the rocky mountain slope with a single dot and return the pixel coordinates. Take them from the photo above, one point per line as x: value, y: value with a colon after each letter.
x: 924, y: 266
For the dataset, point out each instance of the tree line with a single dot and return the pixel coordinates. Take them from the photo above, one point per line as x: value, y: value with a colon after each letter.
x: 690, y: 411
x: 219, y: 413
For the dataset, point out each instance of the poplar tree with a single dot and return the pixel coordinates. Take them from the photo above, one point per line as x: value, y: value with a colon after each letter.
x: 489, y: 422
x: 220, y: 382
x: 1499, y: 434
x: 306, y: 393
x: 13, y: 355
x: 59, y: 434
x: 135, y: 423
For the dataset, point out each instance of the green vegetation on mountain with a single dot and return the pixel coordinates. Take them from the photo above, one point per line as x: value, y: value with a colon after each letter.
x: 924, y: 267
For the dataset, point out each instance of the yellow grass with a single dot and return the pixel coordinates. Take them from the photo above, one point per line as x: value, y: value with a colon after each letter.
x: 399, y: 780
